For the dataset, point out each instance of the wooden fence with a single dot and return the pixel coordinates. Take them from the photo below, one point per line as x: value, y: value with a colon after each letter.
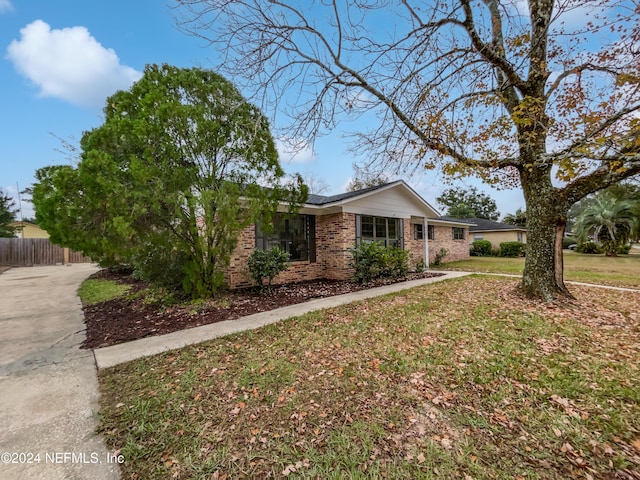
x: 25, y: 252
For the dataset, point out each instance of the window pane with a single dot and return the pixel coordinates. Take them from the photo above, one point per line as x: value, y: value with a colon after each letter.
x: 393, y: 228
x: 367, y: 227
x: 381, y: 228
x: 431, y: 232
x: 289, y: 233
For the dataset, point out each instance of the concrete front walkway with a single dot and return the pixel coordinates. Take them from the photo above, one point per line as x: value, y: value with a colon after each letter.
x: 125, y: 352
x: 48, y: 386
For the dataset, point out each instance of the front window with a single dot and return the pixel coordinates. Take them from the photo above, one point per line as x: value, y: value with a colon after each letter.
x: 458, y: 233
x: 294, y: 234
x: 418, y: 231
x: 386, y: 231
x: 431, y: 232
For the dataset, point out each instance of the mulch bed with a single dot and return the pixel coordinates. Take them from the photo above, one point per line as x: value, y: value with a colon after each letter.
x: 132, y: 317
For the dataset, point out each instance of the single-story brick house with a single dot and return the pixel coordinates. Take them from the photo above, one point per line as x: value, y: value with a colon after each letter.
x: 495, y: 232
x: 318, y: 238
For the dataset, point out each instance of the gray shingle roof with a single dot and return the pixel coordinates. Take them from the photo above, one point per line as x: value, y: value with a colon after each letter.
x: 482, y: 225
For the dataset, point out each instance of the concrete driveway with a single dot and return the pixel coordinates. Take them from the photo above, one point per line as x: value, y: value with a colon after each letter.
x: 48, y: 386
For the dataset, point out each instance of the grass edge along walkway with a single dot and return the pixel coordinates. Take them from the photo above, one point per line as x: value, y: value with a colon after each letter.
x: 125, y: 352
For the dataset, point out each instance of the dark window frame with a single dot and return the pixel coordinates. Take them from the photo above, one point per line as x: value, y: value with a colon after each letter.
x: 418, y: 231
x: 457, y: 233
x: 373, y: 234
x: 297, y: 240
x: 431, y: 232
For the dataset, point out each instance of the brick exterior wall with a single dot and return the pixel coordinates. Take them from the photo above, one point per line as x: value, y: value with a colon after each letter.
x: 443, y: 238
x: 414, y: 247
x: 335, y: 234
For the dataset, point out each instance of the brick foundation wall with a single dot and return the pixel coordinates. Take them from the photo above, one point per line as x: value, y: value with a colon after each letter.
x: 458, y: 249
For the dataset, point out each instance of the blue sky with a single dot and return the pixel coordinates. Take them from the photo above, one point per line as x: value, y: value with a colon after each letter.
x: 61, y: 59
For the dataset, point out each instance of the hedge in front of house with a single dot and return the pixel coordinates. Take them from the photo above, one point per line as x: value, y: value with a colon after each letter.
x: 480, y: 248
x: 511, y: 249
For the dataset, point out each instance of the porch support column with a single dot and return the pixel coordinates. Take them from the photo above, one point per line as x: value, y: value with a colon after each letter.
x: 425, y: 235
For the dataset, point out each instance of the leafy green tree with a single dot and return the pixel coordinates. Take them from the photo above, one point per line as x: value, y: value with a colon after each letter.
x: 172, y: 177
x: 519, y: 218
x: 7, y: 215
x: 468, y: 203
x: 516, y: 93
x: 608, y: 222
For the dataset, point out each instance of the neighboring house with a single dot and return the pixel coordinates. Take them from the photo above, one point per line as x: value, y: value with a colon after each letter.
x: 319, y: 237
x: 29, y: 230
x: 495, y: 232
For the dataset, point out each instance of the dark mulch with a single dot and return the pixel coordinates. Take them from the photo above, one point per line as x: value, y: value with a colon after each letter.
x: 132, y: 317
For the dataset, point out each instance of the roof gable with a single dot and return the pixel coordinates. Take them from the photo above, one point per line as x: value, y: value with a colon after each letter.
x: 394, y: 197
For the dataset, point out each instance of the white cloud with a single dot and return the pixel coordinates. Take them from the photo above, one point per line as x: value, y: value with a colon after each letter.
x: 69, y: 64
x: 5, y: 6
x: 294, y: 150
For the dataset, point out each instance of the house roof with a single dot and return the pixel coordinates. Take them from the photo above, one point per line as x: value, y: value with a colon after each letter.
x: 482, y: 225
x: 325, y: 200
x: 343, y: 199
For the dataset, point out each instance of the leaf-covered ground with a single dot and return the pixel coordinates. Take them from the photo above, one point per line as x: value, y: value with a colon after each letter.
x: 460, y: 379
x: 142, y: 312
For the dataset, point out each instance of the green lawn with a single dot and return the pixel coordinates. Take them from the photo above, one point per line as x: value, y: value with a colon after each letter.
x: 622, y: 271
x: 93, y: 291
x: 459, y: 379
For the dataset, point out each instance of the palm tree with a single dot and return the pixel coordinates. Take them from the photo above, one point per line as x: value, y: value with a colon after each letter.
x: 609, y: 222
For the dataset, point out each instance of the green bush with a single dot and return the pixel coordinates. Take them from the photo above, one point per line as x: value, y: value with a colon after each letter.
x: 623, y: 249
x: 267, y: 264
x: 420, y: 266
x: 566, y: 241
x: 480, y: 248
x: 443, y: 252
x: 589, y: 248
x: 374, y: 260
x: 162, y: 268
x: 511, y: 249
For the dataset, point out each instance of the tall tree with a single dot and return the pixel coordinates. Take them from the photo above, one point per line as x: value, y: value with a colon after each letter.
x: 512, y: 92
x: 7, y: 215
x: 169, y: 180
x: 609, y: 222
x: 364, y: 177
x: 468, y: 203
x: 519, y: 218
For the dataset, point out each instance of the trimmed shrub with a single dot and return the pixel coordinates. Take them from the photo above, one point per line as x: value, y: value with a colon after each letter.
x: 420, y: 266
x: 566, y: 241
x: 443, y: 252
x: 511, y: 249
x: 623, y: 249
x: 589, y: 248
x: 267, y: 264
x: 374, y: 260
x: 480, y: 248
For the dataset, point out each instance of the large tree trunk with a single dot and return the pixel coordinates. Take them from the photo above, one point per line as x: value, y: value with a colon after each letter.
x: 543, y: 269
